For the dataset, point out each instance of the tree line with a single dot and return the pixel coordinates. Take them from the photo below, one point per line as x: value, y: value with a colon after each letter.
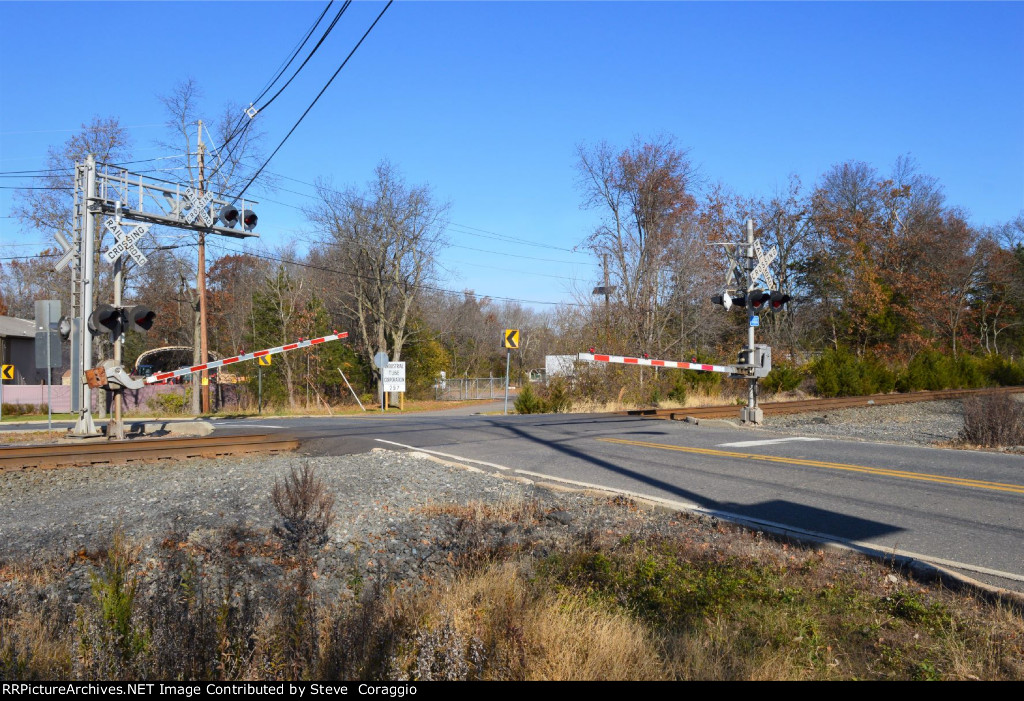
x: 877, y: 264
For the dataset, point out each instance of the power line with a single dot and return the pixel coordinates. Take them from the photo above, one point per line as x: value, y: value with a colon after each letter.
x: 484, y: 233
x: 422, y: 286
x: 242, y: 126
x: 315, y: 100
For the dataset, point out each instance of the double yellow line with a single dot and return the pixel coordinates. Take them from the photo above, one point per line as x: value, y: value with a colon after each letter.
x: 880, y: 472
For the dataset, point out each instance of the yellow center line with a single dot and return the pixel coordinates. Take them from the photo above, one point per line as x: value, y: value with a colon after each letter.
x: 882, y: 472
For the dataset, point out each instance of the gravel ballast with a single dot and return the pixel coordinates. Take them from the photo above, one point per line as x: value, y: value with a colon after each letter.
x: 920, y: 423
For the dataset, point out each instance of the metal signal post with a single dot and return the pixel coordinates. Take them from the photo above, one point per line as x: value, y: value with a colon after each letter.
x: 742, y: 288
x: 128, y: 197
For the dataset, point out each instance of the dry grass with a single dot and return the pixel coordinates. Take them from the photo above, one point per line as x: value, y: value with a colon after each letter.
x: 504, y: 627
x: 683, y: 601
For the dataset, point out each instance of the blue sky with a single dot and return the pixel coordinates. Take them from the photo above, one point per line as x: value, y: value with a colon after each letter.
x: 487, y: 102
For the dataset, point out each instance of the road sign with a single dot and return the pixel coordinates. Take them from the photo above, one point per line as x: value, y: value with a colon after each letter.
x: 7, y: 373
x: 264, y: 359
x: 47, y: 345
x: 393, y: 377
x: 755, y: 320
x: 763, y: 268
x: 511, y: 338
x: 70, y: 252
x: 125, y: 242
x: 380, y: 360
x: 198, y: 207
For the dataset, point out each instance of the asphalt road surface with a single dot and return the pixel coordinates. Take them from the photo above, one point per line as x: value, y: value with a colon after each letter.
x: 962, y: 509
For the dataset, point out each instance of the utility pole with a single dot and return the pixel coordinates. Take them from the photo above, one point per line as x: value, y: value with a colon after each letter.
x: 201, y: 286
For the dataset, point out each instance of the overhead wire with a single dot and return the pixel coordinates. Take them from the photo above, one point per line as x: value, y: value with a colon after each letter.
x: 242, y: 126
x: 422, y: 286
x: 315, y: 100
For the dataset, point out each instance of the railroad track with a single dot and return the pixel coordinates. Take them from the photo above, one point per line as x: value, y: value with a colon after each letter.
x: 731, y: 411
x: 139, y: 450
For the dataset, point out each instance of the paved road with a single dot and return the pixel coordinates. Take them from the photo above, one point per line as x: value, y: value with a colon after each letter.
x: 945, y: 505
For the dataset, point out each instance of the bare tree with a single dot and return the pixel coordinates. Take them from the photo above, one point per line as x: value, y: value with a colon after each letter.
x: 384, y: 240
x: 645, y: 195
x: 47, y: 206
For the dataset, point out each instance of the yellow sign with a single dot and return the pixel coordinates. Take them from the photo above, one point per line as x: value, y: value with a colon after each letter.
x: 8, y: 372
x: 511, y: 338
x: 205, y: 381
x: 264, y: 359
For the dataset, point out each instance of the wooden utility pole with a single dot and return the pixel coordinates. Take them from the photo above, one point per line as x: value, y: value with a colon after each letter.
x: 201, y: 286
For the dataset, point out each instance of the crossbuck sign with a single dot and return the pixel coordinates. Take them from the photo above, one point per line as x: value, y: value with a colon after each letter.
x: 125, y: 242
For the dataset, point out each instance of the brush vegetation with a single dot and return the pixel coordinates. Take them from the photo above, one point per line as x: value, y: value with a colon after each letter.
x: 708, y: 601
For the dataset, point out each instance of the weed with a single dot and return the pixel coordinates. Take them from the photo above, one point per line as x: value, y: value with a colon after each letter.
x: 993, y: 421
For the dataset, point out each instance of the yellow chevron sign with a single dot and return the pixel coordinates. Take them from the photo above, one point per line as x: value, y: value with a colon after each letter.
x: 511, y: 338
x: 8, y: 372
x: 264, y: 359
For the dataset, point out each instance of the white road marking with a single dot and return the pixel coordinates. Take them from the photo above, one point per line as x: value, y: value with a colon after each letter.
x: 770, y: 441
x: 443, y: 455
x: 256, y: 425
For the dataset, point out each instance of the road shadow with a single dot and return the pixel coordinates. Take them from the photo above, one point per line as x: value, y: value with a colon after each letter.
x: 792, y: 514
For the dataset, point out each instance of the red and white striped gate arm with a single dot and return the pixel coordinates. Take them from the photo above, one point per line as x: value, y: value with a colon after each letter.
x: 656, y: 363
x: 161, y: 376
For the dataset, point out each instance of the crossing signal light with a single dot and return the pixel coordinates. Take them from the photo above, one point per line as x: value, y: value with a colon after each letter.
x: 756, y: 299
x: 778, y: 299
x: 139, y: 318
x: 106, y: 318
x: 228, y: 216
x: 724, y: 299
x: 117, y: 320
x: 249, y: 220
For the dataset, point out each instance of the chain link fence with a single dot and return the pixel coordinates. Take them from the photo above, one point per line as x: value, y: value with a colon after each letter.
x: 455, y: 389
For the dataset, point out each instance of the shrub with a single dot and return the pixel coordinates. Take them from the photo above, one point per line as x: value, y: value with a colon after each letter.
x: 839, y: 373
x: 1001, y: 371
x: 929, y: 370
x: 168, y: 403
x: 783, y: 378
x: 993, y: 421
x: 551, y: 399
x: 557, y: 399
x: 305, y: 506
x: 528, y: 402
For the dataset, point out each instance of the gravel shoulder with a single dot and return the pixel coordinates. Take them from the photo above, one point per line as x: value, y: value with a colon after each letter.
x: 921, y: 423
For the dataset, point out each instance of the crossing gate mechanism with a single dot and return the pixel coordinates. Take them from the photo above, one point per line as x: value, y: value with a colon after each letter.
x: 753, y: 362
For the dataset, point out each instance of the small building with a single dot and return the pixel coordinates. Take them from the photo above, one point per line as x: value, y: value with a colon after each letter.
x: 555, y: 365
x: 18, y: 348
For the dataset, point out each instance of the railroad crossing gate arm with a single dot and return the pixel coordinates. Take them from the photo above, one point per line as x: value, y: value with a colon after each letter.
x: 188, y: 370
x: 702, y: 367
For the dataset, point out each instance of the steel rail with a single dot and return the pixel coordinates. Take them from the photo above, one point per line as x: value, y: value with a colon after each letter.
x: 139, y: 450
x: 812, y: 405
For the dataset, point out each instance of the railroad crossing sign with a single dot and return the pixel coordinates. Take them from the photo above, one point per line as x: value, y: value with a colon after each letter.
x: 763, y: 270
x: 511, y: 338
x: 7, y: 372
x: 125, y: 242
x: 264, y: 359
x: 198, y: 207
x: 69, y: 252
